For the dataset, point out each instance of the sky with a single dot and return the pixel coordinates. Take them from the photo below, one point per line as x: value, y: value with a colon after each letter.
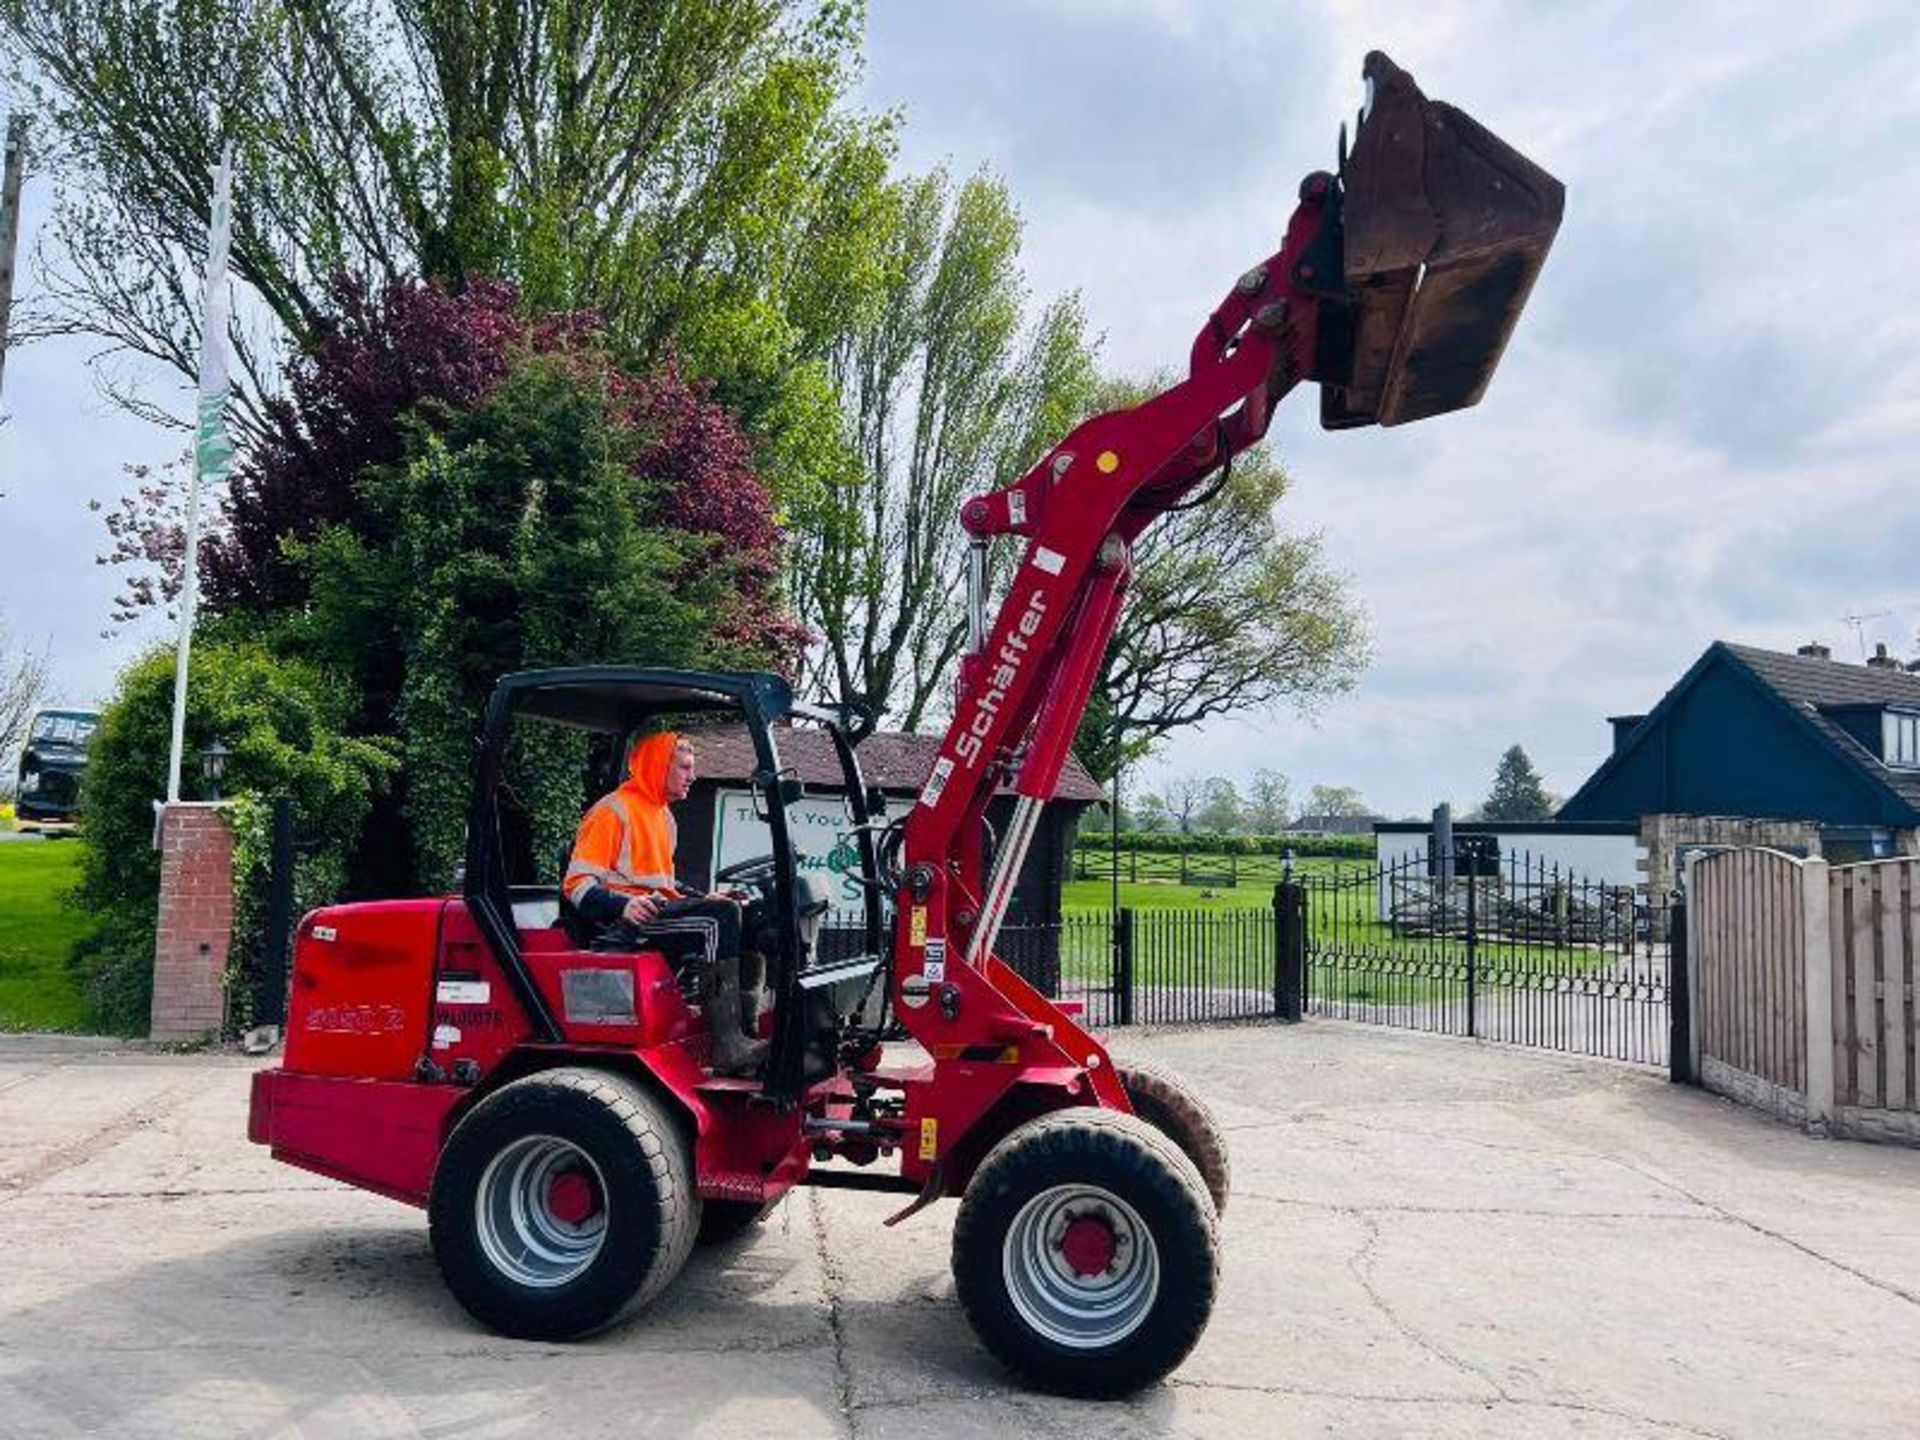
x: 1702, y: 429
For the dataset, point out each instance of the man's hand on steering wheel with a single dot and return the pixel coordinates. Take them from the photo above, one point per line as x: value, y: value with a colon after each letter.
x: 754, y: 873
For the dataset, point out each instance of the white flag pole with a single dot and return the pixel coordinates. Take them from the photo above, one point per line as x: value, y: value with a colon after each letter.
x: 211, y: 448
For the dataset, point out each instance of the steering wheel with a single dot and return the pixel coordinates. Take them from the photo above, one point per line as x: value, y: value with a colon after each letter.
x: 756, y: 870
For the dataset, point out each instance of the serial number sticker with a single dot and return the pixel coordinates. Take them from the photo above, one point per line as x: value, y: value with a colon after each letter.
x: 445, y: 1036
x: 929, y: 1138
x: 325, y: 932
x: 1017, y: 507
x: 915, y: 991
x: 936, y: 785
x: 464, y: 992
x: 917, y: 925
x: 1051, y: 561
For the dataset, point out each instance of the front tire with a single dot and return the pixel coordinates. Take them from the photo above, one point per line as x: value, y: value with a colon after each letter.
x: 562, y: 1203
x: 1085, y: 1253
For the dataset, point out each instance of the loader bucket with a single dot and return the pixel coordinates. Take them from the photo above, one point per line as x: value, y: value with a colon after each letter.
x: 1444, y: 227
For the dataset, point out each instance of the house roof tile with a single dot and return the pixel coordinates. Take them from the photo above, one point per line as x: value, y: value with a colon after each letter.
x: 1816, y: 685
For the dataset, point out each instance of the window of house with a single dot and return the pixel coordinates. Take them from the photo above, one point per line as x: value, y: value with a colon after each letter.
x: 1901, y: 739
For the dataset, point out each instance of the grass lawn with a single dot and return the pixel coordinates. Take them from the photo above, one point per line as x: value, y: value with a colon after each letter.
x: 1217, y: 940
x: 1084, y: 897
x: 36, y: 934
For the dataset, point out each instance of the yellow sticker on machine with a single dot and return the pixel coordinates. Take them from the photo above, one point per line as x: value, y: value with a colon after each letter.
x: 917, y: 926
x: 929, y: 1138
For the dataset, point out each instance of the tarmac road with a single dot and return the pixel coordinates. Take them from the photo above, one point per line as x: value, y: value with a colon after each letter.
x: 1427, y: 1237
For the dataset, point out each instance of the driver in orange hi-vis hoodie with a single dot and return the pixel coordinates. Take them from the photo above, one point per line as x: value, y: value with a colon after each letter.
x: 620, y: 877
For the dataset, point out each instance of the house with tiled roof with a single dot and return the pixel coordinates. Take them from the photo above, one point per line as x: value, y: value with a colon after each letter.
x: 1803, y: 752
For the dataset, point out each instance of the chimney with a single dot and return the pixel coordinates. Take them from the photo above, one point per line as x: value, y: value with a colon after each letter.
x: 1814, y: 650
x: 1881, y: 660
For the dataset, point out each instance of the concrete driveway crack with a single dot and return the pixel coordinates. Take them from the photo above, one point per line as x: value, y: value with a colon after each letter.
x: 1357, y: 1266
x: 1305, y: 1392
x: 830, y: 1284
x: 1704, y: 1215
x: 1734, y: 1217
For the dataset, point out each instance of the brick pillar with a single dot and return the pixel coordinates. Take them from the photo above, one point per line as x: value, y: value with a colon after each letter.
x: 196, y: 922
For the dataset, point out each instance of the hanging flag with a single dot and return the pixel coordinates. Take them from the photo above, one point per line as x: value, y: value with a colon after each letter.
x: 212, y: 449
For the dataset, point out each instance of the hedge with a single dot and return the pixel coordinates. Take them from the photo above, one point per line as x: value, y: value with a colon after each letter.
x: 1155, y: 842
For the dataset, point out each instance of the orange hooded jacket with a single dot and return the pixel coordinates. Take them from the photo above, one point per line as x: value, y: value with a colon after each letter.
x: 626, y: 840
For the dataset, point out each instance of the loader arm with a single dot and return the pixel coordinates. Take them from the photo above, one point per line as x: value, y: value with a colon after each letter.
x: 1396, y: 287
x: 1023, y: 689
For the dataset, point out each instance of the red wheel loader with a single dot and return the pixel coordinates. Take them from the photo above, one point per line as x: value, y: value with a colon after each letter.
x: 548, y: 1104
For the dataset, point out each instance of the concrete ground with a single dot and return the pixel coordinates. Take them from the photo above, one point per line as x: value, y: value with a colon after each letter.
x: 1427, y: 1237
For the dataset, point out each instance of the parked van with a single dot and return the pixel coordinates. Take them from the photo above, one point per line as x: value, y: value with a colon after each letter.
x: 48, y: 793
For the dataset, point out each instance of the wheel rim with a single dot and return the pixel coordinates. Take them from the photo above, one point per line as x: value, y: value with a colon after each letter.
x: 541, y: 1212
x: 1081, y: 1266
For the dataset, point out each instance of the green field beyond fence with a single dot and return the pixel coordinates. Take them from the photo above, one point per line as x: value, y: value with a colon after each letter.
x: 1202, y: 869
x: 1212, y: 882
x: 1206, y: 921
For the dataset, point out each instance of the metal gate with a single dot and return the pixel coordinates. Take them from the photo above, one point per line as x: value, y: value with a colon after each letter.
x: 1177, y: 966
x: 1501, y: 947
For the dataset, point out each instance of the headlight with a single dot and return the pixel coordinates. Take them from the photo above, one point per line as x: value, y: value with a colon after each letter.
x: 30, y: 782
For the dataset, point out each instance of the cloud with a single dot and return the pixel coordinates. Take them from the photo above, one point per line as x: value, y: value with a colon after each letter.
x: 1703, y: 427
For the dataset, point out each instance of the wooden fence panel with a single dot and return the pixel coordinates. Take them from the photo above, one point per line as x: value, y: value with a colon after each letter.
x: 1862, y: 930
x: 1750, y: 958
x: 1876, y: 1017
x: 1839, y: 908
x: 1903, y: 985
x: 1887, y: 977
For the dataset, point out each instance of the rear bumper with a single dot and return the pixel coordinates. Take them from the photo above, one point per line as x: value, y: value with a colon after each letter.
x: 379, y: 1135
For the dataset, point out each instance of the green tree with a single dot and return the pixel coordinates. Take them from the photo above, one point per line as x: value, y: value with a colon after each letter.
x: 685, y: 167
x: 1148, y: 812
x: 942, y: 395
x: 1221, y: 810
x: 1269, y: 803
x: 1518, y: 791
x: 511, y: 539
x: 283, y: 720
x: 1342, y: 801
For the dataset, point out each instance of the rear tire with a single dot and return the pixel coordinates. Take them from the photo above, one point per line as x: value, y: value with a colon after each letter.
x: 1163, y: 1100
x: 562, y: 1203
x: 1085, y: 1253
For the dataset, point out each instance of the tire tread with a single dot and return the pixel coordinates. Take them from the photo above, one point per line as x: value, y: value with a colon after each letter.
x: 659, y: 1148
x: 1122, y: 1139
x: 1204, y: 1145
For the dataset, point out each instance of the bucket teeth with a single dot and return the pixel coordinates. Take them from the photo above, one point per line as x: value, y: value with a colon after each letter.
x: 1443, y: 228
